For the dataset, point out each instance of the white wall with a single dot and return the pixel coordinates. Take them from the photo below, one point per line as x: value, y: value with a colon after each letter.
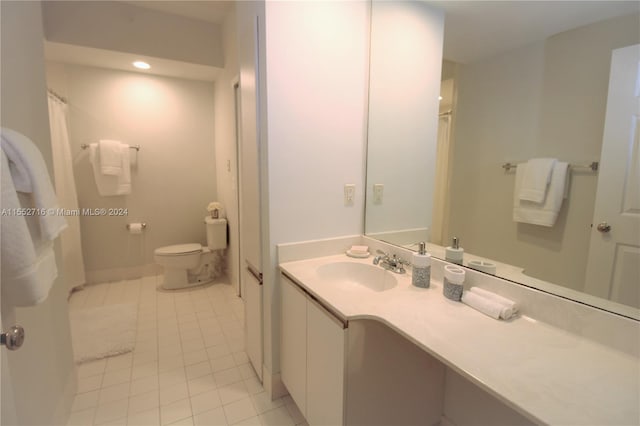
x: 173, y: 175
x: 316, y: 87
x: 38, y: 380
x: 546, y: 99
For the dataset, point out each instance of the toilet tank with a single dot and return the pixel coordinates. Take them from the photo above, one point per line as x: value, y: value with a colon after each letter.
x: 216, y: 233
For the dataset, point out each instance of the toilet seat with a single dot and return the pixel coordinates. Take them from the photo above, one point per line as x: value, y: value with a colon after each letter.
x: 179, y: 250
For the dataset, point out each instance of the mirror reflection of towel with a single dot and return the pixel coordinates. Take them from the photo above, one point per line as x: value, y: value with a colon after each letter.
x: 536, y: 176
x: 545, y: 213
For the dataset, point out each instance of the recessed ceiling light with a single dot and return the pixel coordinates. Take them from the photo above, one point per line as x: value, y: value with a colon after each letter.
x: 439, y: 98
x: 141, y: 65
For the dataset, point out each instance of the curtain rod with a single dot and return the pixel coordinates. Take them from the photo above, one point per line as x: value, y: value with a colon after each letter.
x: 58, y: 97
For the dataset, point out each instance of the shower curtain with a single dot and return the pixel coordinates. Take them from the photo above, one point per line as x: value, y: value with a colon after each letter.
x: 72, y: 259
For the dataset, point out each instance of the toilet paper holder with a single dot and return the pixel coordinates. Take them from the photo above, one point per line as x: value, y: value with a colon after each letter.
x: 143, y: 225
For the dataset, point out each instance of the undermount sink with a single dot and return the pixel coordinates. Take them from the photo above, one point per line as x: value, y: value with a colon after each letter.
x: 359, y: 274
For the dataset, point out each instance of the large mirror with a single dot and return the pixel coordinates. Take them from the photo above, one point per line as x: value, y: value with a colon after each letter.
x: 519, y: 80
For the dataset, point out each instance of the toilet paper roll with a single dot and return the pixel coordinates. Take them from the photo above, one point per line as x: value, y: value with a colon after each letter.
x: 135, y: 228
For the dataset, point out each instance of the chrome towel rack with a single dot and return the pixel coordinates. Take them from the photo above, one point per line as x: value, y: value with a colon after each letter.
x: 593, y: 166
x: 136, y: 147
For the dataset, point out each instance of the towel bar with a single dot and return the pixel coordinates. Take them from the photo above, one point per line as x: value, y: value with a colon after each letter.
x: 593, y: 166
x: 136, y: 147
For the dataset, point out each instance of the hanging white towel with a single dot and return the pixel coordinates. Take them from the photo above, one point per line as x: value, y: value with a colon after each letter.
x: 110, y: 157
x: 109, y: 185
x: 29, y: 223
x: 546, y: 213
x: 535, y: 179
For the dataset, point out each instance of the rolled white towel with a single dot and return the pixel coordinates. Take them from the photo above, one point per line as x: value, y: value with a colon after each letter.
x: 493, y: 308
x: 493, y: 296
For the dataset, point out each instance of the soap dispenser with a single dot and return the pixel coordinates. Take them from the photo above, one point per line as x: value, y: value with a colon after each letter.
x: 421, y: 267
x: 454, y: 253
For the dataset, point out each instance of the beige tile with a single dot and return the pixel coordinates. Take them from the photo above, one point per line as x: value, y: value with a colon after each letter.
x: 195, y: 357
x: 277, y: 417
x: 81, y: 418
x: 223, y: 363
x: 253, y: 385
x: 251, y: 421
x: 144, y: 418
x: 295, y: 413
x: 119, y: 362
x: 228, y: 376
x: 184, y: 422
x: 144, y: 401
x: 168, y: 363
x: 111, y: 411
x: 86, y: 384
x: 172, y: 377
x: 197, y: 370
x: 214, y: 417
x: 113, y: 393
x: 239, y: 410
x: 175, y: 411
x: 205, y: 401
x: 218, y: 351
x: 174, y: 393
x: 263, y: 403
x: 85, y: 400
x: 144, y: 385
x: 141, y: 371
x: 116, y: 377
x: 92, y: 368
x: 202, y: 384
x: 233, y: 392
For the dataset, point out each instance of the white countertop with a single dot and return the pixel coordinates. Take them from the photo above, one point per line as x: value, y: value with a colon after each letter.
x: 546, y: 373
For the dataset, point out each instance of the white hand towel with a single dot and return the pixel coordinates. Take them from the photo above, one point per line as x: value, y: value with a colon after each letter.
x: 544, y: 214
x: 510, y: 307
x: 495, y: 309
x: 28, y: 260
x: 482, y: 304
x: 110, y: 157
x: 30, y: 175
x: 535, y: 179
x: 109, y: 185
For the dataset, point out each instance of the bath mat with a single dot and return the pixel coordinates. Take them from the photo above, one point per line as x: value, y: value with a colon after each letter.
x: 103, y: 331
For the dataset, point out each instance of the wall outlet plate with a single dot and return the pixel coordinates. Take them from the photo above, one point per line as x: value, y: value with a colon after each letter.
x: 378, y: 190
x: 349, y: 193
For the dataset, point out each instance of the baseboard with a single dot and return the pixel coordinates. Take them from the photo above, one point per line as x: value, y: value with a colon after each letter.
x: 118, y: 274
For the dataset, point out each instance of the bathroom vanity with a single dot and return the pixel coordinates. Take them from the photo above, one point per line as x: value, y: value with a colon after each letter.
x: 361, y: 345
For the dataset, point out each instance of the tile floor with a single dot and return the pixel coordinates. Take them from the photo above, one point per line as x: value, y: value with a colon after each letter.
x: 188, y: 366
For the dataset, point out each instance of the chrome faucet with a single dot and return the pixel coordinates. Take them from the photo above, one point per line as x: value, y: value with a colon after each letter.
x: 390, y: 263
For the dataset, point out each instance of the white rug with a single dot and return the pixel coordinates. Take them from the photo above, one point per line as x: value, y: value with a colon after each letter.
x: 103, y: 331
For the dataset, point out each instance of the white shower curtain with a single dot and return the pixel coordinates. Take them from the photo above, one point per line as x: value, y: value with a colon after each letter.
x: 72, y: 259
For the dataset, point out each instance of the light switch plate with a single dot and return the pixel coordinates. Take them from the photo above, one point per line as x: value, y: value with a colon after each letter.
x: 349, y: 193
x: 378, y: 190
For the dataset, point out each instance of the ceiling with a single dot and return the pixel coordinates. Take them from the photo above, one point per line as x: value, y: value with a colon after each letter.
x: 473, y: 29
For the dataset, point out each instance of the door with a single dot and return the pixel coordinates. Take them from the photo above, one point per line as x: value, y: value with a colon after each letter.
x: 253, y: 318
x: 614, y: 252
x: 250, y: 228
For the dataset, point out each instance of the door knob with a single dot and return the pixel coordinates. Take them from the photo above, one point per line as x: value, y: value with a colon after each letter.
x: 603, y: 227
x: 13, y: 338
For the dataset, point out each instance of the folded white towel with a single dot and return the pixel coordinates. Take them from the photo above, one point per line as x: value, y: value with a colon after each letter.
x: 510, y: 305
x: 535, y: 179
x: 544, y: 214
x: 493, y: 308
x: 28, y: 260
x: 109, y: 185
x: 30, y: 175
x: 110, y: 157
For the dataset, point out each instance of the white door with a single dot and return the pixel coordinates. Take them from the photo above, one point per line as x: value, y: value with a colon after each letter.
x: 250, y: 229
x: 614, y: 252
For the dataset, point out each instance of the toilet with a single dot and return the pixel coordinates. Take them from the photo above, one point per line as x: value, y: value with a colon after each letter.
x: 188, y: 265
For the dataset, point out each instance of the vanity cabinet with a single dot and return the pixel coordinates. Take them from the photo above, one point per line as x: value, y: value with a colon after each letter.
x: 312, y: 356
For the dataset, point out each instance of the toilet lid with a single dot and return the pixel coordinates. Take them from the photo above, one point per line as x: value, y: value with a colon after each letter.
x: 179, y: 249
